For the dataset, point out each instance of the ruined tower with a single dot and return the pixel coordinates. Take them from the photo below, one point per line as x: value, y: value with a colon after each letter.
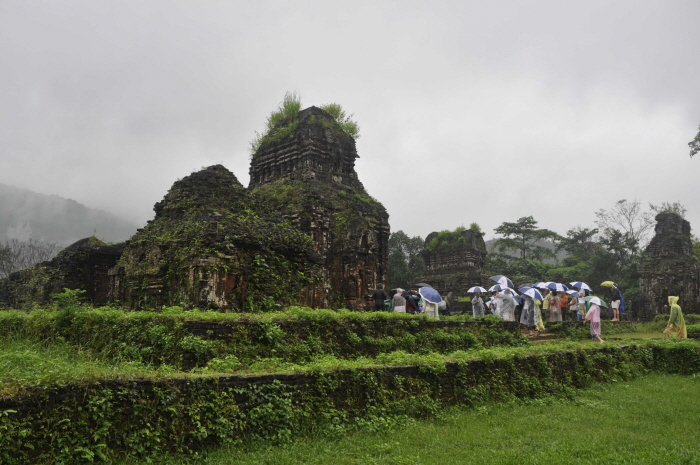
x: 454, y: 260
x: 309, y: 177
x: 669, y: 268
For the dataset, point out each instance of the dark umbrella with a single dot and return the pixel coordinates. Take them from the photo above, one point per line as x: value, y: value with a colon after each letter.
x: 430, y: 294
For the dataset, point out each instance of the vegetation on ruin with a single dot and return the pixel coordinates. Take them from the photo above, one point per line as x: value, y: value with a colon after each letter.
x: 351, y: 213
x: 345, y: 121
x: 209, y: 224
x: 447, y: 241
x: 283, y: 122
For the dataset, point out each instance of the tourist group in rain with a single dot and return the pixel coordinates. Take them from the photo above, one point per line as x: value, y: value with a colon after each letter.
x: 532, y: 304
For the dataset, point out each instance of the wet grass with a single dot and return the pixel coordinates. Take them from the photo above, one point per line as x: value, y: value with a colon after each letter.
x: 651, y: 420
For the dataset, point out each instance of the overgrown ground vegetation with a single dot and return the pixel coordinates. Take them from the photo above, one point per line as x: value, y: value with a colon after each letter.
x: 74, y: 372
x: 649, y: 420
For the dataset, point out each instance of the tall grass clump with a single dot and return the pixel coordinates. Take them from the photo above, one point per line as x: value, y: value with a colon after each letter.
x: 281, y: 123
x: 345, y: 121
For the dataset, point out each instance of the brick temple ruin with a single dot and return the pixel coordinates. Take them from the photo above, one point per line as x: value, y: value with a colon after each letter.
x: 304, y: 232
x: 83, y: 265
x: 669, y: 268
x: 456, y: 263
x: 311, y: 179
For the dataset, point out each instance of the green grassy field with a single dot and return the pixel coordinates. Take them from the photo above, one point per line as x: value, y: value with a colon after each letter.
x: 651, y: 420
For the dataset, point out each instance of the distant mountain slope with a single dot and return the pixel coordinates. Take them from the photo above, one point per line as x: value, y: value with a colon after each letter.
x: 25, y: 214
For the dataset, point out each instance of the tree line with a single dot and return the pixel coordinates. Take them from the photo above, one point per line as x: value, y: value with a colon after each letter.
x: 611, y: 250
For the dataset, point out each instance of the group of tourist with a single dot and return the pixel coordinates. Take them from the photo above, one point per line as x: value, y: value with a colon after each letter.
x: 407, y: 301
x: 556, y: 307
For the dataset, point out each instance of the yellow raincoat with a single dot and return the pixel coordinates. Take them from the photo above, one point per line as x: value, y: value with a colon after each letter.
x: 676, y: 322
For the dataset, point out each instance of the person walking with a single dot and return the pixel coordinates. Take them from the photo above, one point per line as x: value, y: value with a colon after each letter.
x: 399, y: 301
x: 676, y: 323
x: 545, y: 303
x: 539, y: 321
x: 379, y: 295
x: 506, y: 305
x: 573, y: 308
x: 528, y: 316
x: 593, y: 317
x: 554, y: 308
x: 564, y: 305
x: 477, y: 305
x: 581, y: 304
x: 411, y: 305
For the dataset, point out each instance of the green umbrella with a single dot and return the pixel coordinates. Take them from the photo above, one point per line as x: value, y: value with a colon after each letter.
x: 591, y: 299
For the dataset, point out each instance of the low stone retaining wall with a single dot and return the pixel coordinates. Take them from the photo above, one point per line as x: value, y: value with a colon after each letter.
x: 143, y: 419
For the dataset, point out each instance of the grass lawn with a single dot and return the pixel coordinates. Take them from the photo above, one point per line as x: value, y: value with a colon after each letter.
x: 651, y: 420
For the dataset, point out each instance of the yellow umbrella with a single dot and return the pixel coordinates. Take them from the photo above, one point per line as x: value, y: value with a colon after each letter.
x: 607, y: 283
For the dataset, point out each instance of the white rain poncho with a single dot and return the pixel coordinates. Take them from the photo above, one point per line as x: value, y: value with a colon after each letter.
x: 505, y: 305
x: 530, y: 316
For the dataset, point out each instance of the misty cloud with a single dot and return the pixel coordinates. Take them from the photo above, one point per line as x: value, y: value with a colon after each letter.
x: 493, y: 110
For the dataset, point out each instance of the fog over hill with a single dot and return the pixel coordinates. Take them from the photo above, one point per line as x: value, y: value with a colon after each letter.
x: 25, y: 215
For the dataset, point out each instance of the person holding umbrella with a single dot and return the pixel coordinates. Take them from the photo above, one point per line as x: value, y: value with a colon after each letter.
x: 477, y: 305
x: 528, y: 317
x: 593, y: 317
x: 581, y: 304
x: 431, y: 299
x: 676, y: 322
x: 506, y: 305
x: 545, y: 302
x: 554, y: 307
x: 615, y: 302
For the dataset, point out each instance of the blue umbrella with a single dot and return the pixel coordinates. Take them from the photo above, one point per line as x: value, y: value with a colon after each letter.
x: 581, y: 285
x: 559, y: 287
x: 430, y: 294
x: 476, y: 289
x: 503, y: 281
x: 532, y: 292
x: 572, y: 293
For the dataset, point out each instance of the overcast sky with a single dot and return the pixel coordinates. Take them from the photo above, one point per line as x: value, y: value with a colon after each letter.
x: 469, y: 111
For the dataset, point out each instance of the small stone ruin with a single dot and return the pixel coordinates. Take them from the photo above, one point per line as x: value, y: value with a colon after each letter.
x: 454, y: 262
x: 669, y: 268
x: 82, y: 265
